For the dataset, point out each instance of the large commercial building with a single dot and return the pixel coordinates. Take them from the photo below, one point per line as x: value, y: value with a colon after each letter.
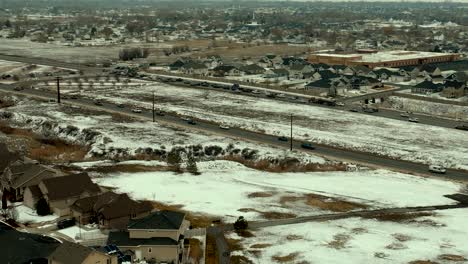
x: 373, y: 58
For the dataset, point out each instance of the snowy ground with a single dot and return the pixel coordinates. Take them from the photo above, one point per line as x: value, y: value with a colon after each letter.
x: 108, y: 134
x: 27, y: 71
x: 380, y: 135
x: 359, y: 240
x: 429, y: 108
x: 28, y: 215
x: 78, y: 233
x: 224, y: 187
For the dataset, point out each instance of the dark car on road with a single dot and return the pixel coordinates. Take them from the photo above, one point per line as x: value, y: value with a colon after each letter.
x: 74, y: 97
x: 283, y: 138
x: 98, y: 103
x: 160, y: 113
x: 64, y: 223
x: 191, y: 122
x: 121, y: 106
x: 370, y: 110
x: 307, y: 145
x: 354, y: 110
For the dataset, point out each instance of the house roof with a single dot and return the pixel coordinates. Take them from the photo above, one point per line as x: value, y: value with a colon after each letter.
x: 69, y: 186
x: 280, y: 72
x: 27, y: 174
x: 194, y: 65
x: 224, y: 68
x: 361, y: 68
x: 120, y: 206
x: 429, y: 85
x: 454, y: 84
x: 459, y: 76
x: 122, y: 238
x: 322, y: 83
x: 70, y: 253
x: 327, y: 74
x: 252, y: 68
x: 158, y: 220
x: 20, y: 247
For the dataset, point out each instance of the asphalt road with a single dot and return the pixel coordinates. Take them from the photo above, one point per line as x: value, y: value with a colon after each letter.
x: 368, y: 159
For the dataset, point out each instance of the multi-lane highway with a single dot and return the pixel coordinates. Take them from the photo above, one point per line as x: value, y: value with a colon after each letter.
x: 369, y: 159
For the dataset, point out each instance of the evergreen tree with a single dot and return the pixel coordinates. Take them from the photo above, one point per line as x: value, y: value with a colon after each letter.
x: 8, y: 24
x: 42, y: 207
x: 174, y: 159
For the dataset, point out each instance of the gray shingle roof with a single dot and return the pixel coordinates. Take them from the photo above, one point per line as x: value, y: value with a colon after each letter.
x: 158, y: 220
x: 69, y: 186
x: 121, y: 238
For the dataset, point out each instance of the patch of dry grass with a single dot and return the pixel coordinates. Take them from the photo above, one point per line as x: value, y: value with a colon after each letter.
x: 240, y: 260
x: 339, y: 241
x: 285, y: 259
x: 294, y: 237
x: 260, y: 194
x: 234, y: 244
x: 289, y: 165
x: 45, y: 149
x: 452, y: 257
x: 260, y: 245
x: 423, y: 262
x: 401, y: 217
x: 323, y: 202
x: 131, y: 168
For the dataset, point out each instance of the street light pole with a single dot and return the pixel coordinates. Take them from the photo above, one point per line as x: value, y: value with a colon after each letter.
x: 291, y: 141
x: 153, y: 108
x: 58, y: 89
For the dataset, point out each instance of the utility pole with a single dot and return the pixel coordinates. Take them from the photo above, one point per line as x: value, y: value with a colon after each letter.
x: 58, y: 89
x: 291, y: 141
x: 153, y: 108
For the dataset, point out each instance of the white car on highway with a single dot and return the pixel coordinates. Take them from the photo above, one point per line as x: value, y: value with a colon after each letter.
x: 136, y: 110
x: 437, y: 169
x: 224, y: 127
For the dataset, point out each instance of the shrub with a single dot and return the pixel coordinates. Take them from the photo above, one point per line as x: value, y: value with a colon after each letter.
x: 192, y: 165
x: 241, y: 224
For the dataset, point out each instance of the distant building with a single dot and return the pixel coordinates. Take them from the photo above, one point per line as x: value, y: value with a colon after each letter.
x: 397, y: 58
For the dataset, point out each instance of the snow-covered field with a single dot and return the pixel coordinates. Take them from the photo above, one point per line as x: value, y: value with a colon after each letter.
x: 224, y: 187
x: 312, y: 123
x: 112, y: 135
x: 429, y: 108
x: 358, y: 240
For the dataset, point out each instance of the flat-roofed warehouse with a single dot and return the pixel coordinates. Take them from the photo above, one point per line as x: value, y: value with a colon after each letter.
x: 372, y: 58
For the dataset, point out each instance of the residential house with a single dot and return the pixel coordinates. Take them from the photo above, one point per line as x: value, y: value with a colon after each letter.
x: 276, y: 74
x: 110, y: 210
x: 459, y: 76
x: 21, y: 174
x: 297, y: 70
x: 409, y: 72
x: 194, y: 68
x: 384, y: 74
x: 225, y: 70
x: 61, y: 192
x: 176, y: 65
x: 361, y: 70
x: 157, y: 237
x: 290, y: 61
x: 22, y: 247
x: 252, y: 69
x: 454, y: 89
x: 429, y: 70
x: 427, y: 87
x: 325, y: 87
x: 342, y: 69
x: 364, y: 83
x: 327, y: 74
